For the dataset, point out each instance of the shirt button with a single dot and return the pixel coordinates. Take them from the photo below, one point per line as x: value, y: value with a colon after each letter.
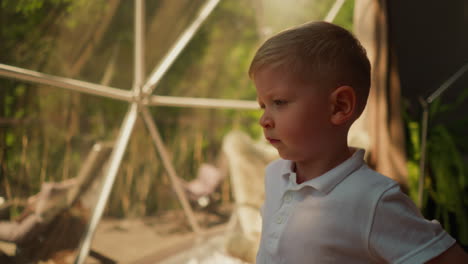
x: 270, y: 244
x: 287, y: 198
x: 279, y: 219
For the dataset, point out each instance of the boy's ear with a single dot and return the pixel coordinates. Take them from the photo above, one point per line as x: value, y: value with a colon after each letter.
x: 343, y: 104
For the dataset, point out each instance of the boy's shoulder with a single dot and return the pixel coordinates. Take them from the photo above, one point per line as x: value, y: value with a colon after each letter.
x: 366, y: 186
x: 365, y: 176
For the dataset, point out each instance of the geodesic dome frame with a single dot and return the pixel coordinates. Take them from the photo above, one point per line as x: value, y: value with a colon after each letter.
x: 139, y: 98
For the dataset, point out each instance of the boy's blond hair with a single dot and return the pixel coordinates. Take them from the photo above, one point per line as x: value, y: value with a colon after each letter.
x: 318, y: 52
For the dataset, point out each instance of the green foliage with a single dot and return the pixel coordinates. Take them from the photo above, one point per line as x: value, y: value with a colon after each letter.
x: 34, y: 121
x: 446, y: 182
x: 344, y: 17
x: 414, y: 156
x: 25, y: 27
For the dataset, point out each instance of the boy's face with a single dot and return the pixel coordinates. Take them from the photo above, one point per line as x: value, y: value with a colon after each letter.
x: 296, y: 117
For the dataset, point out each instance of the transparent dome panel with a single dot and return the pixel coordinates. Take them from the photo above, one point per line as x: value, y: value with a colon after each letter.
x: 184, y: 163
x: 55, y: 146
x: 88, y: 40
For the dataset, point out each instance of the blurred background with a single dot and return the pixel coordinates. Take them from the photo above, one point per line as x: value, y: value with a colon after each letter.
x: 47, y: 133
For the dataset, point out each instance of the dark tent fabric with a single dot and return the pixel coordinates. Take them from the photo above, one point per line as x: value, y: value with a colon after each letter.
x: 414, y: 46
x: 430, y: 39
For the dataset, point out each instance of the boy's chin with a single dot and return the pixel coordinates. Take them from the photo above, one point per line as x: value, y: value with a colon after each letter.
x: 285, y: 156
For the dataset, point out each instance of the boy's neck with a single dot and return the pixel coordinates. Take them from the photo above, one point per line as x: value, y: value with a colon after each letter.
x: 307, y: 170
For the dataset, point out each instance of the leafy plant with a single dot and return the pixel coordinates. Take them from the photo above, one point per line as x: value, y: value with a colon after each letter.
x: 446, y: 181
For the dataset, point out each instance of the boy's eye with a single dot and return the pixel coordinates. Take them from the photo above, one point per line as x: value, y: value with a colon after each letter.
x: 280, y: 102
x: 262, y: 106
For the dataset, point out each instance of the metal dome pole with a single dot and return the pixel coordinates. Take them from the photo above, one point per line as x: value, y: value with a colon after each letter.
x: 425, y: 103
x: 147, y: 90
x: 123, y: 137
x: 65, y: 83
x: 177, y: 48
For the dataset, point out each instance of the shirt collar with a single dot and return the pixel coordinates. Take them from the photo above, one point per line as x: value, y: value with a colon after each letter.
x: 327, y: 181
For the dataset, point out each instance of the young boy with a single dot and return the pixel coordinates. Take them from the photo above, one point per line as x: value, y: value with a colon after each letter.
x: 323, y: 204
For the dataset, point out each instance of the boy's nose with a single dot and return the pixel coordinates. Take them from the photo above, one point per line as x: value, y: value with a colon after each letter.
x: 265, y: 121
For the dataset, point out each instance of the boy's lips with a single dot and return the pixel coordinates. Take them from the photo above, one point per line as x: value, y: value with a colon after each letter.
x: 272, y: 140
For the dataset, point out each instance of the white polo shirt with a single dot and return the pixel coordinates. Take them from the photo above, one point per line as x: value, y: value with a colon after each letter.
x: 351, y: 214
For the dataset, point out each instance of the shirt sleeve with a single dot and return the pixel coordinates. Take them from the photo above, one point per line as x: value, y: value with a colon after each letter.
x: 400, y: 234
